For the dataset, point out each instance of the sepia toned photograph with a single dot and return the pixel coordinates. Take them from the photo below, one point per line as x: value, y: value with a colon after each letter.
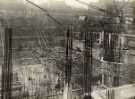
x: 67, y: 49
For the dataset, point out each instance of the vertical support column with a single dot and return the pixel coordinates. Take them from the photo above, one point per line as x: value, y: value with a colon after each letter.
x: 7, y: 66
x: 68, y: 56
x: 88, y: 66
x: 68, y: 68
x: 116, y: 77
x: 116, y: 59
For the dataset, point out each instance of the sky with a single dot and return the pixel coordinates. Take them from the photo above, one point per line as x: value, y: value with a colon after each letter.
x: 76, y: 4
x: 72, y: 3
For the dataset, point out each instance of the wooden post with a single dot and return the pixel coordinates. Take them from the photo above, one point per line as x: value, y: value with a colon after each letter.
x: 7, y: 66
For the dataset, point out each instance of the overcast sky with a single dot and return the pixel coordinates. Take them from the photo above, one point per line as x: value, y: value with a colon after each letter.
x: 72, y: 3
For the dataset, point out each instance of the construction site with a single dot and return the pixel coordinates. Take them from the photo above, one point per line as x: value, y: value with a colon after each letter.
x: 67, y: 49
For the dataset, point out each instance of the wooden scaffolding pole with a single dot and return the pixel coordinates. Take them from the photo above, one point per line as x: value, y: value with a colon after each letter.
x: 88, y: 66
x: 7, y: 66
x: 68, y: 67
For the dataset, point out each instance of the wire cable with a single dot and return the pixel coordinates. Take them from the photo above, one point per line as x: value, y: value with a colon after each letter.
x: 46, y: 11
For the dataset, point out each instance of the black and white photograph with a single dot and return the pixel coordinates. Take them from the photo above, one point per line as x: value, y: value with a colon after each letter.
x: 67, y: 49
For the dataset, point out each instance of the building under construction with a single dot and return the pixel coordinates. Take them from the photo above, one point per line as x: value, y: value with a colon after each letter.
x: 67, y: 49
